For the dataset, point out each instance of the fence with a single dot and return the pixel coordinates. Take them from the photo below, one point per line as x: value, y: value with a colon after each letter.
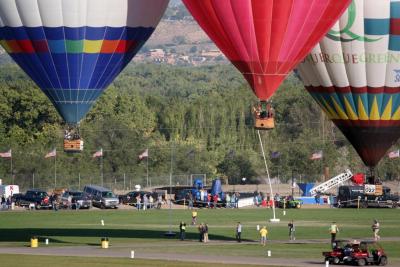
x: 115, y: 182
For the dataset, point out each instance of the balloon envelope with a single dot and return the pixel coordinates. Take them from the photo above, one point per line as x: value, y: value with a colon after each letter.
x: 354, y: 75
x: 265, y: 39
x: 73, y: 49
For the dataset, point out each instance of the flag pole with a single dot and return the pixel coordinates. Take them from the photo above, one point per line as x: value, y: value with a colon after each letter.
x: 11, y: 167
x: 55, y: 169
x: 101, y: 167
x: 269, y: 179
x: 147, y: 171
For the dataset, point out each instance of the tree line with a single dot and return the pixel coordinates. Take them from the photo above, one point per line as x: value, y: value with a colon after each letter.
x: 193, y: 120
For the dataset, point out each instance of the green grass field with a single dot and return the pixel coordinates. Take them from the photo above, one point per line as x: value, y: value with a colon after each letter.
x: 145, y: 231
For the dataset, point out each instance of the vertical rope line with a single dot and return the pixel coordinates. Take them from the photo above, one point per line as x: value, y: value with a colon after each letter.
x: 266, y: 168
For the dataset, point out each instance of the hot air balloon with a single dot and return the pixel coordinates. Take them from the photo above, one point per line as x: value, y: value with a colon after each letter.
x: 73, y: 49
x: 265, y: 39
x: 354, y: 75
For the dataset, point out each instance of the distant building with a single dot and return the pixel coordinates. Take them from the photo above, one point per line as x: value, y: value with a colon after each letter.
x: 198, y: 60
x: 211, y: 53
x: 184, y: 58
x: 156, y: 54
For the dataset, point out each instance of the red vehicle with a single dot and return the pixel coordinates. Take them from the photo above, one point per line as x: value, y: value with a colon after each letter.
x: 369, y: 252
x: 356, y: 253
x: 339, y: 251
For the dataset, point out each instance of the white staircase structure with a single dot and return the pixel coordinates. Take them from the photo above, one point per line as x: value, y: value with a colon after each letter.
x: 331, y: 183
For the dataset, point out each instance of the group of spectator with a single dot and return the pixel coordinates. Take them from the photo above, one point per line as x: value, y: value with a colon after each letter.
x: 232, y: 201
x: 6, y: 202
x: 203, y: 232
x: 147, y: 202
x: 212, y: 201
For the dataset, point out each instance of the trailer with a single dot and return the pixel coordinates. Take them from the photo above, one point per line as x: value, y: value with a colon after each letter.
x: 8, y: 190
x: 365, y: 196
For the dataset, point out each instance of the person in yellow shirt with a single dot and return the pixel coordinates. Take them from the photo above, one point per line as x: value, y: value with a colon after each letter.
x: 333, y: 230
x: 263, y: 234
x: 194, y: 217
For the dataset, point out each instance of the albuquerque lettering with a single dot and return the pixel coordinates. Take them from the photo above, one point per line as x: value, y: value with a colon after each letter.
x: 345, y: 58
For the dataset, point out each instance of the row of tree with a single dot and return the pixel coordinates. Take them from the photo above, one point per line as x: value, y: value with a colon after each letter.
x: 192, y: 120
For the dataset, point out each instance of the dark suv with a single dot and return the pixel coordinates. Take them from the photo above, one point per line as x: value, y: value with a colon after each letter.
x: 39, y: 198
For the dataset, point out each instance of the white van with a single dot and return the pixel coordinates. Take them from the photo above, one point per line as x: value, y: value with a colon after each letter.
x: 101, y: 197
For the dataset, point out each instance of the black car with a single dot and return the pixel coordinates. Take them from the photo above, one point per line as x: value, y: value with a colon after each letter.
x: 16, y: 198
x: 39, y: 198
x: 75, y: 200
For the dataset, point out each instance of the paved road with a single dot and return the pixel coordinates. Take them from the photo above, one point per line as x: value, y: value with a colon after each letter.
x: 122, y: 251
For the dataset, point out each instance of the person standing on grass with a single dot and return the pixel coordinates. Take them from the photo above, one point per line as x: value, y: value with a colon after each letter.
x: 292, y: 230
x: 239, y: 232
x: 182, y: 231
x: 375, y: 229
x: 333, y: 230
x: 201, y: 232
x: 215, y: 201
x: 138, y: 200
x: 227, y: 200
x: 159, y: 201
x: 194, y: 217
x: 205, y: 235
x: 263, y: 234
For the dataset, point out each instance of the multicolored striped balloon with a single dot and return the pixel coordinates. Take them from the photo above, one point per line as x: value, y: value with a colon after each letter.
x: 73, y: 49
x: 354, y: 75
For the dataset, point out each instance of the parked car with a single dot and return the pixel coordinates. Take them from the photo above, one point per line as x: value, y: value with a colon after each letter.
x: 101, y: 197
x: 289, y: 202
x: 16, y: 198
x: 75, y: 200
x: 39, y: 198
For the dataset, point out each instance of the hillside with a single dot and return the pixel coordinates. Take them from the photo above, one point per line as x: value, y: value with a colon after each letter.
x: 179, y: 35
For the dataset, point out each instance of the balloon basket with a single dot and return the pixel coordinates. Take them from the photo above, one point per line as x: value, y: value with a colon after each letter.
x: 72, y: 146
x: 264, y: 123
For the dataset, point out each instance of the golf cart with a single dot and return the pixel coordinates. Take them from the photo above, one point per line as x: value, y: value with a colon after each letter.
x: 369, y: 252
x: 339, y: 247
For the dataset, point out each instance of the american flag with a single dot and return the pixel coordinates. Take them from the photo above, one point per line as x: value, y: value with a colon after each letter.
x: 7, y: 154
x: 98, y: 153
x: 52, y: 153
x: 145, y: 154
x: 317, y: 155
x: 394, y: 154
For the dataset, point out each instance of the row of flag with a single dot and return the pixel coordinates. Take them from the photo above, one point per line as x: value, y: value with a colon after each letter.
x: 53, y: 153
x: 145, y: 154
x: 319, y: 154
x: 314, y: 156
